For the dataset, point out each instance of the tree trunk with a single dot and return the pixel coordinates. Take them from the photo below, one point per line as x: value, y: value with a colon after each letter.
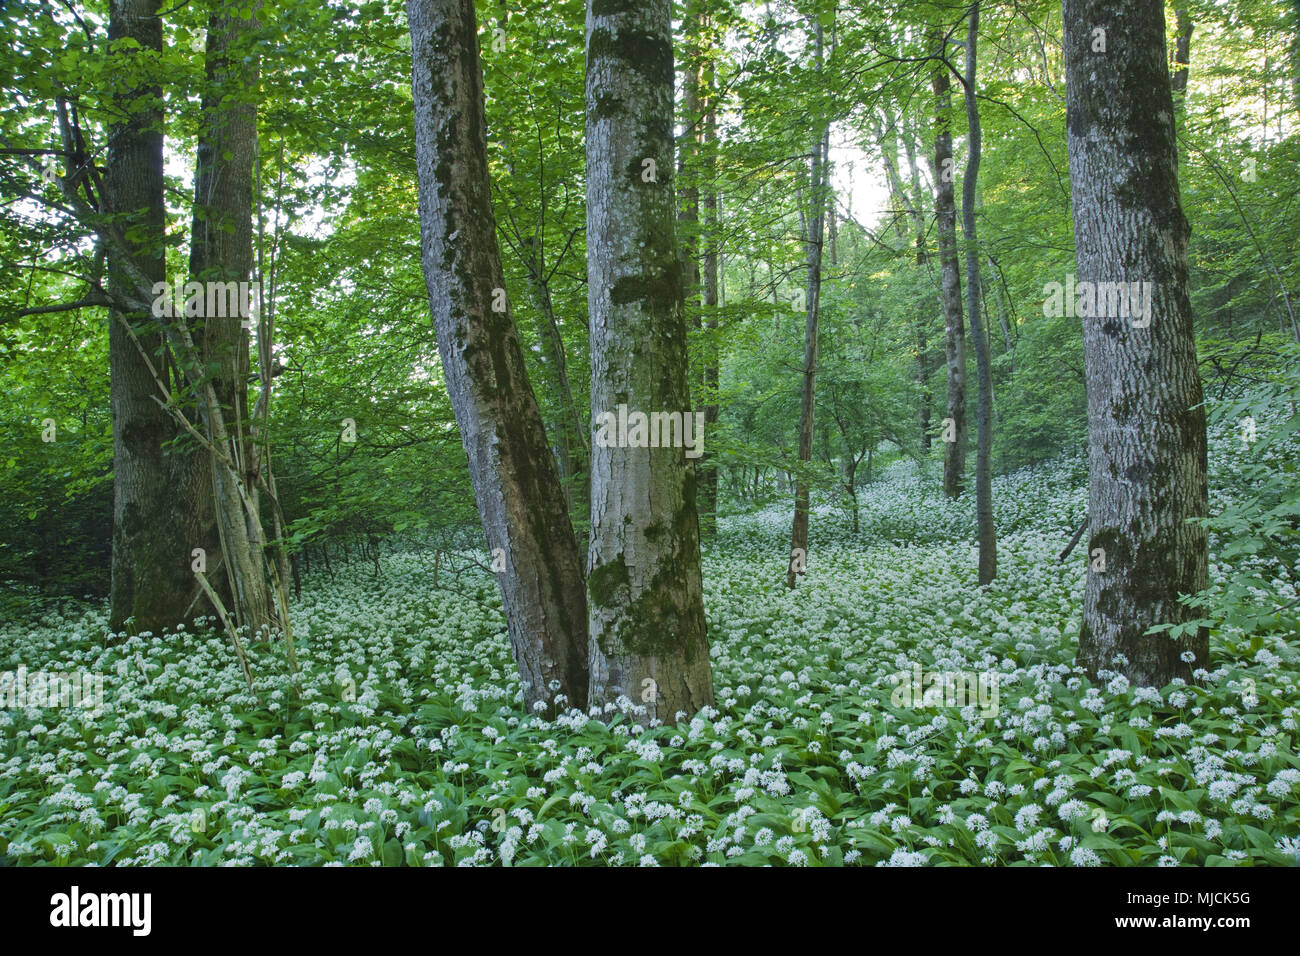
x: 987, y: 534
x: 570, y: 430
x: 1007, y: 342
x: 221, y: 250
x: 906, y: 203
x: 1146, y: 427
x: 707, y: 466
x: 1295, y: 53
x: 151, y: 558
x: 647, y: 636
x: 945, y: 208
x: 1182, y: 51
x: 516, y: 481
x: 816, y: 225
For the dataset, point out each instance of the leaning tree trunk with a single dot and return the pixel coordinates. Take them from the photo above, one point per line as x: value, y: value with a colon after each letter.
x: 647, y: 631
x: 987, y: 534
x: 1146, y: 427
x: 945, y: 209
x: 807, y: 402
x: 151, y: 558
x: 516, y: 481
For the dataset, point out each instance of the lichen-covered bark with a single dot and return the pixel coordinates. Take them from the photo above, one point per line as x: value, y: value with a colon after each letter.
x: 945, y: 211
x: 516, y: 482
x: 1146, y: 431
x: 149, y: 555
x: 647, y: 635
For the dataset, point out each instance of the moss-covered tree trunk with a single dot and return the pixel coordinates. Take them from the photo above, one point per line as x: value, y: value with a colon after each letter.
x: 516, y: 481
x: 151, y: 580
x: 945, y: 210
x: 1146, y: 430
x: 647, y: 631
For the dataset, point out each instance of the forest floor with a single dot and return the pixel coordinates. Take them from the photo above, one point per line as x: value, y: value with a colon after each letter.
x: 409, y: 744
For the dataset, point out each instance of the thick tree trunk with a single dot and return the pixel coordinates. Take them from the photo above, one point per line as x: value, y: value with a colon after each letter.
x: 987, y: 533
x: 647, y: 635
x: 221, y: 250
x: 516, y: 482
x: 1146, y: 427
x: 151, y: 579
x: 945, y: 208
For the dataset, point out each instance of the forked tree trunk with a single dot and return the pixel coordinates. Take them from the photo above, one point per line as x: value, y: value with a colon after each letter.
x: 516, y: 482
x: 1146, y: 427
x: 647, y: 635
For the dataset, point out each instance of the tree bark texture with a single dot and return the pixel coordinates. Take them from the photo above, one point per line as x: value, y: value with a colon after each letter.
x: 516, y: 481
x: 647, y: 636
x: 1146, y: 429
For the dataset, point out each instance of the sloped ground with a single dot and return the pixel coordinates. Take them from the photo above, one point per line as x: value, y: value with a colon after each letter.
x: 409, y: 744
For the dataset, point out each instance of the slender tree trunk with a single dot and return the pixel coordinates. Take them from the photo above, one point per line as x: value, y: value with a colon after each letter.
x: 516, y: 481
x: 570, y: 430
x: 1182, y: 51
x: 906, y: 202
x: 926, y: 358
x: 1007, y: 342
x: 1295, y: 53
x: 1146, y: 426
x: 151, y: 557
x: 816, y: 225
x: 647, y: 636
x: 945, y: 208
x: 987, y: 533
x: 707, y: 467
